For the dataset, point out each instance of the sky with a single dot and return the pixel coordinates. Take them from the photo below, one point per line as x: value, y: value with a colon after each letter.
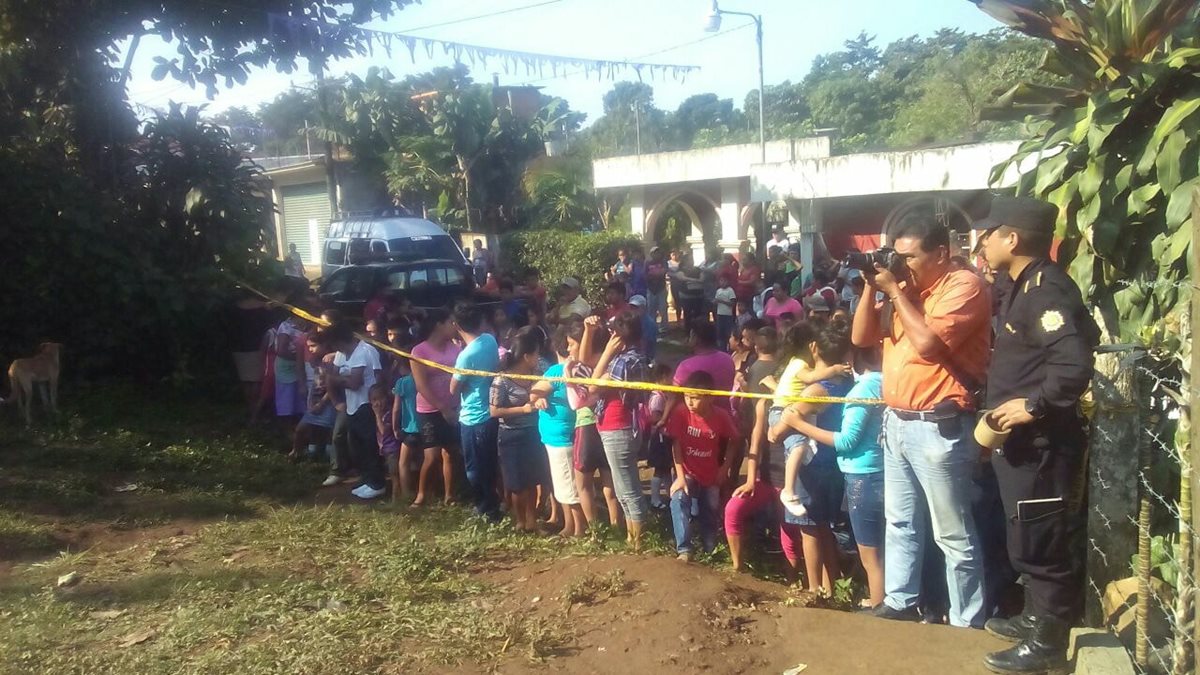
x: 795, y: 31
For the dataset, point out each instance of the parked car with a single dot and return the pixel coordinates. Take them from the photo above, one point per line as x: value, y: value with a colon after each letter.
x: 376, y: 238
x: 427, y: 283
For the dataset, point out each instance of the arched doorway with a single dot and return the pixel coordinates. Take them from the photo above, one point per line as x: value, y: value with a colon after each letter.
x: 692, y: 212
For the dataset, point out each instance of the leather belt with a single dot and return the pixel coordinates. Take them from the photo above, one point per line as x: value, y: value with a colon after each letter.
x: 925, y: 415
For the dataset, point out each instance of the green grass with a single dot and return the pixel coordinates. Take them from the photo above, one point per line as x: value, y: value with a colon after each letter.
x: 331, y: 590
x: 272, y: 583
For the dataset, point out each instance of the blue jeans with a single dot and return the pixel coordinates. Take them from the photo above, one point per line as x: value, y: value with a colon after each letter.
x: 657, y: 305
x: 725, y: 326
x: 481, y: 461
x: 928, y: 470
x: 709, y: 499
x: 620, y: 448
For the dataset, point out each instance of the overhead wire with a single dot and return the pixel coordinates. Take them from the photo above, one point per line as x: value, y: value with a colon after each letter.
x: 649, y: 54
x: 489, y: 15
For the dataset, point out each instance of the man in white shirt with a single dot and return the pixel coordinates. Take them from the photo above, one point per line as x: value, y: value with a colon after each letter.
x: 571, y: 303
x: 779, y: 238
x: 358, y: 369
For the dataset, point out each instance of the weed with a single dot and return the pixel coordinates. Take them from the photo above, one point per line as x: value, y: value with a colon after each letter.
x: 592, y: 588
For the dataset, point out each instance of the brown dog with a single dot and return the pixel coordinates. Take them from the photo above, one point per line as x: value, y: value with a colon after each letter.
x: 25, y: 374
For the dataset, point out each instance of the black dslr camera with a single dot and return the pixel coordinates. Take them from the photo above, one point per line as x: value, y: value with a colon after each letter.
x: 883, y: 256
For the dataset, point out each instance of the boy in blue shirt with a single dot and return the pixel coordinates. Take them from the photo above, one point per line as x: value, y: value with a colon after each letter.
x: 476, y: 424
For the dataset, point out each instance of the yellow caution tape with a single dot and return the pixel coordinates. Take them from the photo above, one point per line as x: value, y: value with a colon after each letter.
x: 582, y: 381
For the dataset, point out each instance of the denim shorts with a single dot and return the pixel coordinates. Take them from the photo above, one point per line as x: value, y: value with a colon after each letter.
x: 864, y: 500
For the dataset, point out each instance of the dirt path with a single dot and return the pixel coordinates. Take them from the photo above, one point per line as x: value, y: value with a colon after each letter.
x: 658, y: 615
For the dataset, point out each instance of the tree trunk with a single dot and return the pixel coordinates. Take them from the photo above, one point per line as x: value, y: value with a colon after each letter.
x: 1112, y: 477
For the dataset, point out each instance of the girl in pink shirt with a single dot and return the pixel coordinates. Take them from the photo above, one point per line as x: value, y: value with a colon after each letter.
x: 437, y: 409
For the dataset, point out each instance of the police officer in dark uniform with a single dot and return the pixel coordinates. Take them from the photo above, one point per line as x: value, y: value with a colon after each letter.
x: 1042, y: 364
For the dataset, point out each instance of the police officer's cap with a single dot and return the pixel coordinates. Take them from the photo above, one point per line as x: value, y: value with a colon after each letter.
x: 1020, y: 213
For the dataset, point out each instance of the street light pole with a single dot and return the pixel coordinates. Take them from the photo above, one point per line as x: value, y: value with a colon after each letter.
x: 712, y: 24
x: 637, y: 123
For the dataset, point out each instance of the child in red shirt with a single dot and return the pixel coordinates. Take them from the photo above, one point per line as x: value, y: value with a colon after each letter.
x: 699, y: 430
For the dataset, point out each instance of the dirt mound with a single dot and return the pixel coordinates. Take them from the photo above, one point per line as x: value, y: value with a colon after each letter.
x: 654, y: 614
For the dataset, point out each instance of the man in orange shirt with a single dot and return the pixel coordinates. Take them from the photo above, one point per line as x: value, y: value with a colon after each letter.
x: 935, y: 356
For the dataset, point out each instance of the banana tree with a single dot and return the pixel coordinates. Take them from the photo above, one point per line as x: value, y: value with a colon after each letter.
x: 1116, y: 149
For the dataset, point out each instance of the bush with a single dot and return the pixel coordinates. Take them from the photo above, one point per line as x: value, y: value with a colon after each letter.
x: 558, y: 254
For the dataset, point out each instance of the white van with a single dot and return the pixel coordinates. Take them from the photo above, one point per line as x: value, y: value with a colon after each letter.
x: 359, y: 240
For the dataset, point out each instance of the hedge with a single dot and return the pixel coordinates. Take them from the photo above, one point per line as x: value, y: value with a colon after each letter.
x: 557, y: 254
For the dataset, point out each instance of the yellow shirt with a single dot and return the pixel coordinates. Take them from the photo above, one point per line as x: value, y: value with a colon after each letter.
x: 789, y: 382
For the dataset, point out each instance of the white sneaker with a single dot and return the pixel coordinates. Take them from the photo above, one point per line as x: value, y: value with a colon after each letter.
x: 365, y: 491
x: 331, y: 481
x: 792, y: 503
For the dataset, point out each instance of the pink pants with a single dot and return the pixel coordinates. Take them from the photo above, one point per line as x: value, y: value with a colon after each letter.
x: 740, y: 510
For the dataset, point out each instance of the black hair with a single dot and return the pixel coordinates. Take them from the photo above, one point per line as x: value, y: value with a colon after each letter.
x: 700, y: 380
x: 767, y: 341
x: 704, y: 332
x: 833, y: 341
x: 629, y: 327
x: 433, y: 318
x: 754, y: 324
x: 523, y: 344
x: 506, y: 284
x: 537, y: 333
x: 659, y: 371
x: 1034, y: 244
x: 923, y: 227
x: 338, y: 333
x: 379, y: 388
x: 796, y: 342
x: 559, y: 340
x: 469, y: 317
x: 618, y: 286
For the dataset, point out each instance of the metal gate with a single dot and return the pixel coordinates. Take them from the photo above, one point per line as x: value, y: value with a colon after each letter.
x: 301, y: 204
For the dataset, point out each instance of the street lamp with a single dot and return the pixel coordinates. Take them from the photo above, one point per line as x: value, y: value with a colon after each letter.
x: 712, y: 24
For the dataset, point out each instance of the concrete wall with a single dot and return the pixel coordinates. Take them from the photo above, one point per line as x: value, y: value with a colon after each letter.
x: 965, y: 167
x: 729, y: 161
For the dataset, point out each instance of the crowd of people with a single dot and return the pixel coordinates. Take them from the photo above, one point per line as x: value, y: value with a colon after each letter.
x: 863, y: 384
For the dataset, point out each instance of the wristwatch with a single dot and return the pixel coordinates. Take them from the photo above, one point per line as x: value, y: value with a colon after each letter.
x: 1035, y: 407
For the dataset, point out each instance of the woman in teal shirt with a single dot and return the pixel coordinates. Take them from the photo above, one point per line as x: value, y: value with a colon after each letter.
x: 860, y: 458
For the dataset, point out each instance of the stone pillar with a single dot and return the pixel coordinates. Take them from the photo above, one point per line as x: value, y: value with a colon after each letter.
x: 734, y: 196
x: 695, y: 241
x: 637, y: 214
x: 805, y: 218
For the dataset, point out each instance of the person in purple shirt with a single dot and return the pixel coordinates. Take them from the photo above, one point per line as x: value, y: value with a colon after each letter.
x: 702, y: 338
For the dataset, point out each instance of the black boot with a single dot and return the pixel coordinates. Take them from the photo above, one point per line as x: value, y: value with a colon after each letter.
x: 1044, y: 649
x: 1014, y: 629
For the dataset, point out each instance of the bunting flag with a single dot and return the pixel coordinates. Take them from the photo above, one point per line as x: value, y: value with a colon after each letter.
x: 320, y: 34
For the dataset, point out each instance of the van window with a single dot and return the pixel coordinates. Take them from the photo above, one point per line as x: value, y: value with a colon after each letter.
x: 335, y: 253
x: 436, y: 276
x: 440, y: 247
x: 379, y: 246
